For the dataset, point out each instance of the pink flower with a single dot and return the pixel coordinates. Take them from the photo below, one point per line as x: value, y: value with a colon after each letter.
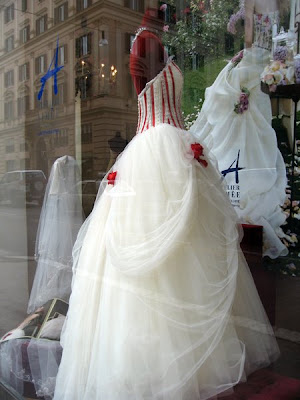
x: 163, y: 7
x: 244, y: 98
x: 238, y: 57
x: 187, y: 10
x: 166, y: 28
x: 272, y: 88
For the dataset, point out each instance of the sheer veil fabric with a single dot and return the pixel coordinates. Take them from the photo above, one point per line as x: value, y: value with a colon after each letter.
x: 60, y: 220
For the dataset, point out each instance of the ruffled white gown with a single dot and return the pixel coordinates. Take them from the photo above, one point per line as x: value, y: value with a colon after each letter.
x: 163, y: 305
x: 247, y: 141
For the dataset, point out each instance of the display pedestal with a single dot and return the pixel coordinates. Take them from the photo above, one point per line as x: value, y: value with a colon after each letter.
x: 265, y: 281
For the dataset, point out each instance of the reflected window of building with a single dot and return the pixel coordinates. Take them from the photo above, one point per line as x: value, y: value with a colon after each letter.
x: 83, y: 45
x: 59, y: 98
x: 41, y: 24
x: 8, y: 110
x: 61, y: 13
x: 87, y: 134
x: 129, y: 37
x: 40, y: 64
x: 10, y: 145
x: 24, y: 5
x: 24, y: 34
x: 169, y: 15
x: 23, y: 105
x: 9, y: 78
x: 43, y: 102
x: 24, y: 72
x: 62, y: 54
x: 10, y: 165
x: 83, y: 4
x: 9, y: 13
x: 24, y: 146
x: 61, y: 138
x: 136, y: 5
x: 9, y: 43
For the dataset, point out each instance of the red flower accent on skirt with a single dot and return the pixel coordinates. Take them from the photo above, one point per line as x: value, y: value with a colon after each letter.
x: 111, y: 177
x: 198, y: 152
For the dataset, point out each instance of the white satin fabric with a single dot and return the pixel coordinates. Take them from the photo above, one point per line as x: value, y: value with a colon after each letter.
x: 163, y: 305
x: 259, y: 191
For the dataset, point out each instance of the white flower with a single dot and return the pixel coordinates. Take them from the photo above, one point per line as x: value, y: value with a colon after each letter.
x: 290, y: 74
x: 278, y: 76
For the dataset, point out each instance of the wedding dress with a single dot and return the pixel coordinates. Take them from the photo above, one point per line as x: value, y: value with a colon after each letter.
x: 60, y: 220
x: 238, y: 131
x: 163, y: 305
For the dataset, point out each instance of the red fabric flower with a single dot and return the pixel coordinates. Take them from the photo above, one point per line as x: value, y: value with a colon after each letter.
x: 111, y: 177
x: 198, y: 152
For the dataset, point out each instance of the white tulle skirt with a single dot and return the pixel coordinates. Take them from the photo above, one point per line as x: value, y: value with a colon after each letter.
x: 163, y: 305
x: 257, y: 190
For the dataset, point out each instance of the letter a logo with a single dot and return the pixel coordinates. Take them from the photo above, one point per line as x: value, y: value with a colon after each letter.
x: 51, y: 73
x: 233, y: 168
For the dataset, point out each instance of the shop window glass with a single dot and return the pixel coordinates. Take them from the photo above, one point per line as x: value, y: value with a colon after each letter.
x: 83, y: 107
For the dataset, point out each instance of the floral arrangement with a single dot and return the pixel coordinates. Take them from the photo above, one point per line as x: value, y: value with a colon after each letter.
x: 297, y: 69
x: 280, y: 53
x: 235, y: 18
x: 278, y: 73
x: 243, y: 103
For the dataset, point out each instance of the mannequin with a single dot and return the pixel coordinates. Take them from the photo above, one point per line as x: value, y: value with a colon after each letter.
x: 235, y: 123
x: 148, y: 55
x: 116, y: 145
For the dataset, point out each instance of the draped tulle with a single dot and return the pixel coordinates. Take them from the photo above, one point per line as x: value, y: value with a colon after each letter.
x: 60, y: 220
x: 250, y: 137
x: 163, y: 305
x: 29, y: 362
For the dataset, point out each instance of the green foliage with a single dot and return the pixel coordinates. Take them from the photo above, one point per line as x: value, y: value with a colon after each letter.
x: 200, y: 27
x: 195, y: 83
